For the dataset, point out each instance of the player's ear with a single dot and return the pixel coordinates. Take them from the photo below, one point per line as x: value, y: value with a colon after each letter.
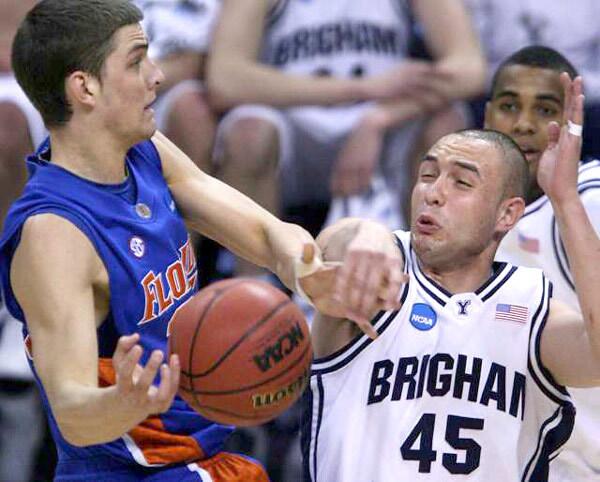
x: 82, y: 88
x: 510, y: 212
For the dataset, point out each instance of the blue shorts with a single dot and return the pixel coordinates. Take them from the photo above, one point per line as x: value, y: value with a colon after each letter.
x: 222, y: 467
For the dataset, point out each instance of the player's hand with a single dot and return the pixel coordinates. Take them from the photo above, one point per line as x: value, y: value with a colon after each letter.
x: 367, y: 280
x: 134, y: 381
x: 356, y: 161
x: 408, y: 79
x: 558, y: 166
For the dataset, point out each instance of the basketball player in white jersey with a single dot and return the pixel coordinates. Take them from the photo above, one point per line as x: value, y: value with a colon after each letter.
x: 526, y: 95
x: 466, y: 380
x: 318, y: 87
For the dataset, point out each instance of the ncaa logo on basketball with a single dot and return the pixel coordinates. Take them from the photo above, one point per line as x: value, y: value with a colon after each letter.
x: 422, y: 317
x: 137, y: 246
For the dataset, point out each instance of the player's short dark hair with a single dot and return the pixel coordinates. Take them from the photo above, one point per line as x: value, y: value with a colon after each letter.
x: 538, y: 56
x: 516, y: 180
x: 58, y: 37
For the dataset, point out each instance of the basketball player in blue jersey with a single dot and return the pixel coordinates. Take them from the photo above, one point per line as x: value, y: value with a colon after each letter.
x: 526, y: 95
x: 467, y: 380
x: 95, y: 256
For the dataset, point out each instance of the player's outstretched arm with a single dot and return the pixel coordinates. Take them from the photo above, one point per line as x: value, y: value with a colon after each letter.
x: 218, y: 211
x: 374, y: 267
x: 54, y: 273
x: 574, y: 358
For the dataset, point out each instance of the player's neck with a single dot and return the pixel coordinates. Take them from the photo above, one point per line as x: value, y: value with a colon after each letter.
x: 97, y: 157
x: 465, y: 277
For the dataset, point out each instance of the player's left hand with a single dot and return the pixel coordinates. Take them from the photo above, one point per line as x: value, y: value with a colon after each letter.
x: 558, y: 166
x: 367, y: 280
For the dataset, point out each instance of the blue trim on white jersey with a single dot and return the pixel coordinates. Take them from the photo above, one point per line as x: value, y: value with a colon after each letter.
x: 554, y: 433
x: 540, y: 374
x: 311, y: 427
x: 275, y: 12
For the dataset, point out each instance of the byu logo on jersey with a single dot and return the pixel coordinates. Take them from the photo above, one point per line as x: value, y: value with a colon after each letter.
x: 422, y: 317
x: 462, y: 306
x: 137, y: 246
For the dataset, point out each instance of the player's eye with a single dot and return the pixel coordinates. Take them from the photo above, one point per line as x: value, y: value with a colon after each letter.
x: 508, y: 107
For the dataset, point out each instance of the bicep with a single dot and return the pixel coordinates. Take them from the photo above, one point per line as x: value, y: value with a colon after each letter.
x: 210, y: 206
x: 566, y: 349
x: 51, y: 276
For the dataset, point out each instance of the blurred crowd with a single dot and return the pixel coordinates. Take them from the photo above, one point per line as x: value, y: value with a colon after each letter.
x: 315, y: 109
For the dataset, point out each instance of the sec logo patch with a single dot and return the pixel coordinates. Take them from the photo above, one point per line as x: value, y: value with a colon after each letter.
x: 137, y: 246
x: 422, y: 317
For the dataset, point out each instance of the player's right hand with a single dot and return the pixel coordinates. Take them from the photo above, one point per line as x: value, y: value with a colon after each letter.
x: 409, y: 79
x: 134, y: 381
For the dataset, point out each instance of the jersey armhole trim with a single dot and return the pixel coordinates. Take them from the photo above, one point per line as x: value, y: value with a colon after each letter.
x: 540, y: 374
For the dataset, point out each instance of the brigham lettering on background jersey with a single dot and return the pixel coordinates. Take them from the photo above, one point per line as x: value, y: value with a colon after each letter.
x: 452, y: 387
x: 342, y: 38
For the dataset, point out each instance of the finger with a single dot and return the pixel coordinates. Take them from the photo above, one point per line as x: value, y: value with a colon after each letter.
x: 149, y: 372
x: 125, y: 344
x: 565, y: 81
x: 391, y: 293
x: 553, y: 134
x: 175, y: 366
x: 162, y: 396
x: 368, y: 329
x: 308, y: 253
x: 373, y: 280
x: 125, y: 369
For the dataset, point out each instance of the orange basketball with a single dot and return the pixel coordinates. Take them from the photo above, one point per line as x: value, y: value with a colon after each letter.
x: 245, y: 351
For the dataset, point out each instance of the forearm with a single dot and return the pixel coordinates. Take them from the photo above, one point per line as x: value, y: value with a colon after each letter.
x: 467, y: 75
x: 91, y: 415
x: 244, y: 82
x: 583, y: 250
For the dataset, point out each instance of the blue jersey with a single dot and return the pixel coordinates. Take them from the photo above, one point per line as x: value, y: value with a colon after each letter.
x: 141, y: 239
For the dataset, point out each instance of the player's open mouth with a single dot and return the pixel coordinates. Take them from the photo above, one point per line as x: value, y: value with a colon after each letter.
x: 530, y: 153
x: 426, y: 224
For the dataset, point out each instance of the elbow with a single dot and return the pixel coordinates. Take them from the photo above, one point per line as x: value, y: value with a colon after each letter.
x: 222, y: 90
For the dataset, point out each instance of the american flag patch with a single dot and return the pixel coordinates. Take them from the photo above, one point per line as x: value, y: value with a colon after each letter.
x: 508, y: 312
x: 531, y: 245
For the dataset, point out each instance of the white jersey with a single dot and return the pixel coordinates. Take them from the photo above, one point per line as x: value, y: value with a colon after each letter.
x: 174, y: 26
x: 10, y: 91
x: 570, y: 27
x: 535, y: 241
x: 452, y: 389
x: 341, y: 38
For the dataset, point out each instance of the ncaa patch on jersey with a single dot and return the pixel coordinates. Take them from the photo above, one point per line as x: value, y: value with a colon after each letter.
x: 422, y: 317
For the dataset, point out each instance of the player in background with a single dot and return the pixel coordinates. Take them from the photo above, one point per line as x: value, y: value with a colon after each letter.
x: 328, y: 92
x: 526, y: 96
x: 95, y: 255
x: 467, y: 380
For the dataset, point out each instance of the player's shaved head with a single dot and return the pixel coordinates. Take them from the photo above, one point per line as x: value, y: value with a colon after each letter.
x: 516, y: 179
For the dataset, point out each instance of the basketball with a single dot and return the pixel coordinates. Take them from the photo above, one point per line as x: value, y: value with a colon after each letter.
x: 244, y: 349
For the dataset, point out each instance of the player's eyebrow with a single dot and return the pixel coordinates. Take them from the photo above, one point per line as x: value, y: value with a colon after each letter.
x: 136, y: 47
x: 469, y: 166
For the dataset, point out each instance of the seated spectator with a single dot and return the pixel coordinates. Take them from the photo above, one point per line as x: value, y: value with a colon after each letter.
x: 325, y: 95
x: 179, y: 33
x: 505, y: 26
